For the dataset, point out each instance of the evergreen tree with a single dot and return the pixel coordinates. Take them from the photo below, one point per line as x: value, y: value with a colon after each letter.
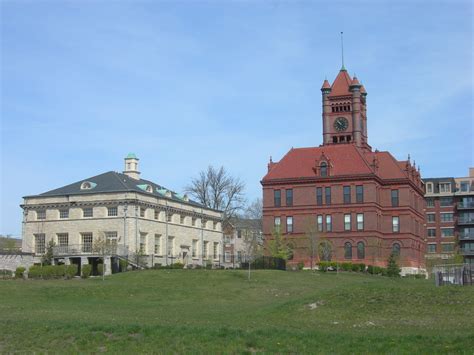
x: 392, y: 267
x: 47, y: 258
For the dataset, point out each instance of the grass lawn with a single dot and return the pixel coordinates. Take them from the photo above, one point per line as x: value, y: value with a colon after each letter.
x: 220, y: 311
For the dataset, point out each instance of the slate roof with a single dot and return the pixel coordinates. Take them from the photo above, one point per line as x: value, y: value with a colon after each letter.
x: 112, y: 181
x: 345, y: 160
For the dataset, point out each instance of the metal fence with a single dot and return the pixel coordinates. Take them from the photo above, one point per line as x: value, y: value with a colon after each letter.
x: 456, y: 274
x: 266, y: 263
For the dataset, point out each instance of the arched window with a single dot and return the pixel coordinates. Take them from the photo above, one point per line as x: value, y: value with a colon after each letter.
x: 87, y: 185
x: 324, y: 168
x: 348, y: 250
x: 360, y: 250
x: 396, y: 249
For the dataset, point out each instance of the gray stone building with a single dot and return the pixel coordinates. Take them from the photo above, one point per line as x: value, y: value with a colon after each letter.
x: 115, y: 216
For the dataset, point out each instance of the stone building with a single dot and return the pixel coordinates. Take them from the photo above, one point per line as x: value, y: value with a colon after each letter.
x: 364, y: 203
x: 242, y: 236
x: 121, y: 216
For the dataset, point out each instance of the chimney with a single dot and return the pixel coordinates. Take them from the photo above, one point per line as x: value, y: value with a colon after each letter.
x: 131, y: 166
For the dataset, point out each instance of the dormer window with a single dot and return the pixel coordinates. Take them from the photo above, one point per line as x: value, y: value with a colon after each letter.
x: 323, y: 169
x: 146, y: 187
x: 429, y: 187
x: 87, y: 185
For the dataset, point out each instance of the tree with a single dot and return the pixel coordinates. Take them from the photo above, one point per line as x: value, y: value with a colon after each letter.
x: 278, y: 246
x: 252, y: 248
x: 216, y: 189
x: 374, y: 248
x: 392, y: 267
x: 103, y: 248
x: 255, y: 211
x: 313, y: 236
x: 47, y: 258
x: 325, y: 250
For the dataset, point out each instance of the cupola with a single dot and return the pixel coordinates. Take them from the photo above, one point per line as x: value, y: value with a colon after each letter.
x: 131, y: 166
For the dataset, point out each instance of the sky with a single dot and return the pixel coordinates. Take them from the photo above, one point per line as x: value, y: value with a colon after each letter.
x: 188, y: 84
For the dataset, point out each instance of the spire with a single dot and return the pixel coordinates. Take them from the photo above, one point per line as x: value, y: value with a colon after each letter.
x: 326, y: 85
x: 342, y: 50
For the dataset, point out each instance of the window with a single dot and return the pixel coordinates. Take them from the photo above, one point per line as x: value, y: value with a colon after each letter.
x: 360, y: 250
x: 289, y: 197
x: 446, y: 201
x: 181, y: 219
x: 40, y: 243
x: 348, y: 250
x: 431, y: 248
x: 395, y: 224
x: 194, y: 248
x: 169, y: 217
x: 328, y: 223
x: 320, y: 223
x: 444, y: 187
x: 360, y: 221
x: 86, y: 242
x: 215, y: 250
x: 464, y: 186
x: 327, y: 192
x: 239, y: 256
x: 63, y: 239
x: 394, y: 198
x: 430, y: 203
x: 143, y: 243
x: 359, y: 193
x: 112, y: 211
x: 319, y: 196
x: 447, y: 232
x: 87, y: 212
x: 193, y: 221
x: 111, y: 241
x: 227, y: 258
x: 429, y: 189
x: 324, y: 169
x: 446, y: 217
x: 156, y: 214
x: 170, y: 246
x: 430, y: 217
x: 447, y: 248
x: 277, y: 198
x: 41, y: 214
x: 214, y: 225
x: 205, y: 251
x: 276, y: 223
x: 396, y: 249
x: 347, y: 194
x: 203, y: 223
x: 64, y: 213
x: 431, y: 232
x: 347, y: 222
x: 158, y: 244
x: 289, y: 224
x: 142, y: 212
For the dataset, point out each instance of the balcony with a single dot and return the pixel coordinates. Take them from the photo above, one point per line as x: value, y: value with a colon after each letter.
x: 465, y: 205
x: 89, y: 249
x: 467, y: 251
x: 466, y: 236
x: 465, y: 221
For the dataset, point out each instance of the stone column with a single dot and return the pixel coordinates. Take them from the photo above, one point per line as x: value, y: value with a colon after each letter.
x: 107, y: 266
x: 84, y: 261
x: 67, y: 261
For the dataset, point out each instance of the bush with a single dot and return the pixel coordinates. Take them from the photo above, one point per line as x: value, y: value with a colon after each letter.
x: 124, y: 264
x: 300, y: 265
x: 71, y: 271
x: 100, y: 269
x: 392, y: 267
x: 19, y: 272
x: 323, y: 266
x: 35, y: 272
x: 86, y: 271
x: 177, y: 266
x: 355, y: 267
x: 346, y: 266
x: 362, y: 267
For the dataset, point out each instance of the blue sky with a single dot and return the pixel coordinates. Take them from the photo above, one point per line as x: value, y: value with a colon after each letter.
x: 186, y: 84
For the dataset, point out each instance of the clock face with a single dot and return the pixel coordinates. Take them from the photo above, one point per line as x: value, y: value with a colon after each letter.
x: 341, y: 124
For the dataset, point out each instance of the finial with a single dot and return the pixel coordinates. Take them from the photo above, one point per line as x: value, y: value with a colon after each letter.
x: 271, y: 161
x: 342, y: 50
x: 408, y: 157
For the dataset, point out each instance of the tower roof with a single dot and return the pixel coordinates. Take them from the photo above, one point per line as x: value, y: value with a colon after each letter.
x: 131, y: 156
x: 326, y: 84
x: 340, y: 86
x: 355, y: 81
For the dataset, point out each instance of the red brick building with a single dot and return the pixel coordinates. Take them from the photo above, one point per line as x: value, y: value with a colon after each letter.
x: 365, y: 203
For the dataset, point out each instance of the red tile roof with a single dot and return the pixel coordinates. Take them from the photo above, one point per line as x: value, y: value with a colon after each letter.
x: 340, y: 86
x: 344, y: 160
x: 326, y: 84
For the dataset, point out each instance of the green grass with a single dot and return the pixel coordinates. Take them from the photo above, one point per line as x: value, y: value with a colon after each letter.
x: 206, y: 311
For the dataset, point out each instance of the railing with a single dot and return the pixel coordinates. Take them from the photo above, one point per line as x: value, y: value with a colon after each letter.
x: 467, y: 251
x: 465, y: 220
x: 89, y: 249
x: 465, y: 204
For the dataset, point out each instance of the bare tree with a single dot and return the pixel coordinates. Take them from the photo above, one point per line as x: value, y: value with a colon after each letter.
x: 312, y: 235
x: 216, y: 189
x: 252, y: 248
x: 374, y: 246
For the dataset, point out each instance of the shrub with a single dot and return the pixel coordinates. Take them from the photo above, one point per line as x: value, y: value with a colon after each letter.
x: 35, y: 272
x: 362, y: 267
x: 19, y: 272
x: 355, y: 267
x: 392, y: 267
x: 177, y: 266
x: 86, y: 271
x: 346, y: 266
x: 124, y: 264
x: 71, y: 271
x: 323, y: 266
x: 59, y: 271
x: 100, y: 269
x: 300, y: 265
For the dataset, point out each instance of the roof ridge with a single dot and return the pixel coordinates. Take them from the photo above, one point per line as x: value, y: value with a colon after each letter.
x: 363, y: 157
x: 120, y: 180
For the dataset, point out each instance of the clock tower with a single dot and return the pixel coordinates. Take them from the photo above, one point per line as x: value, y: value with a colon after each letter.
x: 344, y: 111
